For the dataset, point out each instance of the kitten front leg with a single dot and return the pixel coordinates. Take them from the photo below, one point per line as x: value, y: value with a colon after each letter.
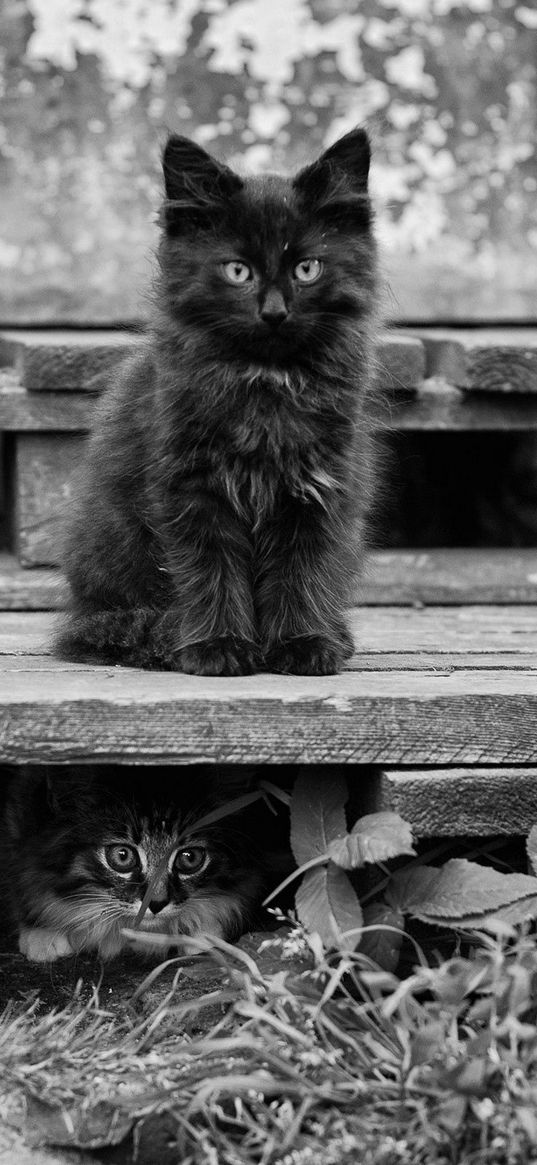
x: 211, y: 624
x: 302, y: 588
x: 41, y: 944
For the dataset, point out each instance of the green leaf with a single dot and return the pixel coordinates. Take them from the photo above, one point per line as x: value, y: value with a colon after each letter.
x: 382, y: 944
x: 317, y: 814
x: 463, y: 894
x: 375, y: 838
x: 326, y: 903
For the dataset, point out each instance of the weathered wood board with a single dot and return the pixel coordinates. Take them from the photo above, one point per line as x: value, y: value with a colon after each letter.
x: 39, y: 589
x: 443, y: 633
x: 44, y: 465
x: 26, y: 412
x: 79, y: 361
x: 483, y: 360
x: 435, y: 405
x: 460, y: 801
x: 392, y: 578
x: 451, y: 575
x: 431, y: 712
x: 357, y: 718
x: 490, y: 360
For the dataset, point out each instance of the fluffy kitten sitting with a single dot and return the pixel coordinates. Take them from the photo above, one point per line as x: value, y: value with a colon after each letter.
x: 81, y: 851
x: 219, y: 516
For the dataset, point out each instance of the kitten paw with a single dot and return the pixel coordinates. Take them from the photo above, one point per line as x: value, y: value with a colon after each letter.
x: 225, y: 656
x: 311, y: 655
x: 41, y: 945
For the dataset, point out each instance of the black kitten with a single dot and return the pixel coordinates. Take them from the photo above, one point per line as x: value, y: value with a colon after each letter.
x: 219, y: 517
x: 81, y: 850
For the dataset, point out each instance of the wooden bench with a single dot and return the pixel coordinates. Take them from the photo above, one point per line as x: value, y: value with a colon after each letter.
x: 435, y: 716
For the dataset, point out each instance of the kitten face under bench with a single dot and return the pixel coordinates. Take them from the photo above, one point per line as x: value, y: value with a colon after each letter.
x: 82, y: 851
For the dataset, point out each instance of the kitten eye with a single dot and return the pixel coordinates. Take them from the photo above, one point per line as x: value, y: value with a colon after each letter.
x: 121, y: 858
x: 308, y: 270
x: 191, y: 860
x: 236, y: 271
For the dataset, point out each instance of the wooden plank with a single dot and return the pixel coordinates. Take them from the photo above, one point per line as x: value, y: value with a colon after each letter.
x: 79, y: 360
x: 123, y: 715
x: 450, y: 576
x: 435, y: 406
x: 392, y: 578
x: 425, y: 702
x: 497, y: 360
x: 66, y: 358
x: 502, y: 370
x: 30, y: 590
x: 445, y: 359
x: 400, y: 362
x: 439, y: 406
x: 512, y: 335
x: 421, y: 661
x: 460, y: 801
x: 22, y: 411
x: 440, y: 632
x: 44, y: 465
x: 77, y: 364
x: 486, y: 360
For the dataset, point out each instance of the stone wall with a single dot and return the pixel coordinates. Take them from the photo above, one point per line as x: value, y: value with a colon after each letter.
x: 90, y: 88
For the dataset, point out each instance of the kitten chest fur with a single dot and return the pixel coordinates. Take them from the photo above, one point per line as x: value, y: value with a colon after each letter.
x: 267, y: 438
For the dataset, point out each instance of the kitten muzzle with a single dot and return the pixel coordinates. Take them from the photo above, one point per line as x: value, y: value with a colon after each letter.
x: 273, y: 308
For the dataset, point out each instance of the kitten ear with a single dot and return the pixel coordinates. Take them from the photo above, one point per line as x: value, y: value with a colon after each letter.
x: 336, y: 184
x: 195, y: 184
x: 351, y: 155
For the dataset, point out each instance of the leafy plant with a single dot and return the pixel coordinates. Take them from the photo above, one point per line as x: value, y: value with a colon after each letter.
x: 461, y: 894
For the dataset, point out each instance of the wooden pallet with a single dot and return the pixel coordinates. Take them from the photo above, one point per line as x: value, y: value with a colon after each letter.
x: 436, y: 714
x: 439, y: 686
x: 433, y: 382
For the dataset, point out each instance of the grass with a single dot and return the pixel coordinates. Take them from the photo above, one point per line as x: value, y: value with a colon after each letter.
x: 324, y: 1059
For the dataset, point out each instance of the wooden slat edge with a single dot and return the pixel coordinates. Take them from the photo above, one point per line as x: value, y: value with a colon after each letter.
x: 460, y: 801
x: 393, y: 578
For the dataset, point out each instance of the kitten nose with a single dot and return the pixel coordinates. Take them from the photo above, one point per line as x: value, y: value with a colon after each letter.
x: 273, y: 309
x: 157, y: 904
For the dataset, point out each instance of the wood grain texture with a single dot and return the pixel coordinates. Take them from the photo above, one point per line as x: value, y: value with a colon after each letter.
x: 79, y: 361
x: 358, y: 719
x: 392, y: 578
x: 502, y: 369
x: 451, y: 575
x: 44, y: 465
x: 442, y: 632
x: 57, y: 412
x: 460, y: 801
x: 434, y: 711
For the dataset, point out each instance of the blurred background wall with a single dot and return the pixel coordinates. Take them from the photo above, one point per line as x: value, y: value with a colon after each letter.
x: 90, y: 87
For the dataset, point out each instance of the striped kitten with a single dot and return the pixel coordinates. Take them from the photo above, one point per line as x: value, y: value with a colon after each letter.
x: 83, y: 847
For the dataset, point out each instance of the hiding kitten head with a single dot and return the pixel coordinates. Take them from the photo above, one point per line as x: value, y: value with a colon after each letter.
x: 268, y: 269
x: 90, y: 859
